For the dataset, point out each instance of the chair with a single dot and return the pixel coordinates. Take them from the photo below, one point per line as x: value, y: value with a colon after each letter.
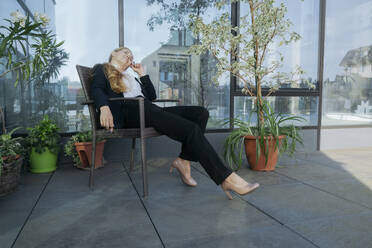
x: 142, y: 132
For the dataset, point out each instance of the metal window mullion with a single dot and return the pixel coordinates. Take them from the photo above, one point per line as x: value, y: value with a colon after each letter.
x: 235, y: 16
x: 322, y: 13
x: 121, y: 22
x: 283, y: 93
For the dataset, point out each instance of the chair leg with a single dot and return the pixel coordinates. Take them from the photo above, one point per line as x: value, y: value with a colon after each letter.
x: 132, y: 154
x: 144, y: 167
x: 93, y: 161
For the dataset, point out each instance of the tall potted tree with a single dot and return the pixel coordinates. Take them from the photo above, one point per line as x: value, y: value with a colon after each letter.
x: 248, y: 45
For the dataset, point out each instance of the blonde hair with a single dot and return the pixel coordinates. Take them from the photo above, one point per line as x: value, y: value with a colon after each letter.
x: 114, y: 75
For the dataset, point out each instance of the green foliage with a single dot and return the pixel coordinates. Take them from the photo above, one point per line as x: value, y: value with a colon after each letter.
x: 275, y: 125
x: 10, y: 147
x: 176, y: 13
x: 70, y: 149
x: 26, y: 32
x: 44, y: 135
x: 258, y: 29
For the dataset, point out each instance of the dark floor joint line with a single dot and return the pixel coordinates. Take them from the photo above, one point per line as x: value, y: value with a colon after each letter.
x: 32, y: 210
x: 299, y: 234
x: 143, y: 204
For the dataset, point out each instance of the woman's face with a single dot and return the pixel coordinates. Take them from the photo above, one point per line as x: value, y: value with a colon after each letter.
x: 125, y: 57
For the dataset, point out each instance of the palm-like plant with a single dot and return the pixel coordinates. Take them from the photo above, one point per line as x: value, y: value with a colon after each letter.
x: 275, y: 125
x: 26, y: 31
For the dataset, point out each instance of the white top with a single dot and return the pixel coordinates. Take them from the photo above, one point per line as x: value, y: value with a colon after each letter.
x: 134, y: 89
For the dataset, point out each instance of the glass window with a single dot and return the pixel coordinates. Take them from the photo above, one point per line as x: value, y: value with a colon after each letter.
x: 347, y: 90
x: 304, y: 106
x: 13, y: 99
x: 158, y: 36
x: 90, y: 31
x: 304, y: 16
x: 90, y: 34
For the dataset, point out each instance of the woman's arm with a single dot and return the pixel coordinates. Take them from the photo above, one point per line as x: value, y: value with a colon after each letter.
x: 100, y: 97
x: 148, y: 87
x: 99, y: 87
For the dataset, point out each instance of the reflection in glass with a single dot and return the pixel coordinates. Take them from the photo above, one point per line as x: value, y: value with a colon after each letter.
x: 347, y: 89
x: 304, y: 106
x: 159, y: 36
x: 304, y: 16
x: 27, y: 102
x: 88, y: 40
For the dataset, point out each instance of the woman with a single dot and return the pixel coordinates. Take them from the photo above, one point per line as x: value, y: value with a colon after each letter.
x: 185, y: 124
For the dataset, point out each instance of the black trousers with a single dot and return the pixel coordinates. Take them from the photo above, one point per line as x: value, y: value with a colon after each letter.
x: 185, y: 124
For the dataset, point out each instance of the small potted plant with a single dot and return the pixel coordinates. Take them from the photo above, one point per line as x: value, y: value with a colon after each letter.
x: 248, y: 46
x: 11, y: 159
x: 43, y: 143
x: 79, y: 147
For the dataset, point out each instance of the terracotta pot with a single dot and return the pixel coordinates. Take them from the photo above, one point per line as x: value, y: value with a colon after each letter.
x: 84, y: 150
x: 250, y: 151
x: 6, y: 157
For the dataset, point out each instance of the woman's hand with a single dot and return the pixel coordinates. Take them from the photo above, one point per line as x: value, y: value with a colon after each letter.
x: 106, y: 118
x: 138, y: 69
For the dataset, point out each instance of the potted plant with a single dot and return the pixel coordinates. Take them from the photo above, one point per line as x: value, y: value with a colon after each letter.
x: 279, y: 137
x: 248, y: 45
x: 79, y: 147
x: 11, y: 159
x: 43, y: 143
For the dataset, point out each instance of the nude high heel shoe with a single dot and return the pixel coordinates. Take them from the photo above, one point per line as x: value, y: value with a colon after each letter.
x: 242, y: 189
x: 184, y: 172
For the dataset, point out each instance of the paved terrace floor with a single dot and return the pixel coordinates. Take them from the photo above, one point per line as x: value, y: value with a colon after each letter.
x: 320, y: 199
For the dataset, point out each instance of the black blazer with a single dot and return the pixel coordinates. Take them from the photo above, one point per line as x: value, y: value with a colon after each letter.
x: 101, y: 91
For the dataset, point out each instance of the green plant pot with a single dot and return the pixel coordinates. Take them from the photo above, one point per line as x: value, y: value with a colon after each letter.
x: 43, y: 162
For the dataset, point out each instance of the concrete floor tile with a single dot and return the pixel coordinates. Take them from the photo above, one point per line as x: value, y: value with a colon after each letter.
x: 354, y: 189
x: 105, y: 189
x: 307, y: 171
x: 163, y: 184
x: 119, y: 223
x: 192, y: 217
x: 256, y: 236
x: 299, y: 202
x: 352, y: 231
x: 11, y: 224
x: 16, y: 206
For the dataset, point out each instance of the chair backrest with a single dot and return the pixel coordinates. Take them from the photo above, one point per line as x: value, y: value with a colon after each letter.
x: 86, y: 82
x: 2, y: 120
